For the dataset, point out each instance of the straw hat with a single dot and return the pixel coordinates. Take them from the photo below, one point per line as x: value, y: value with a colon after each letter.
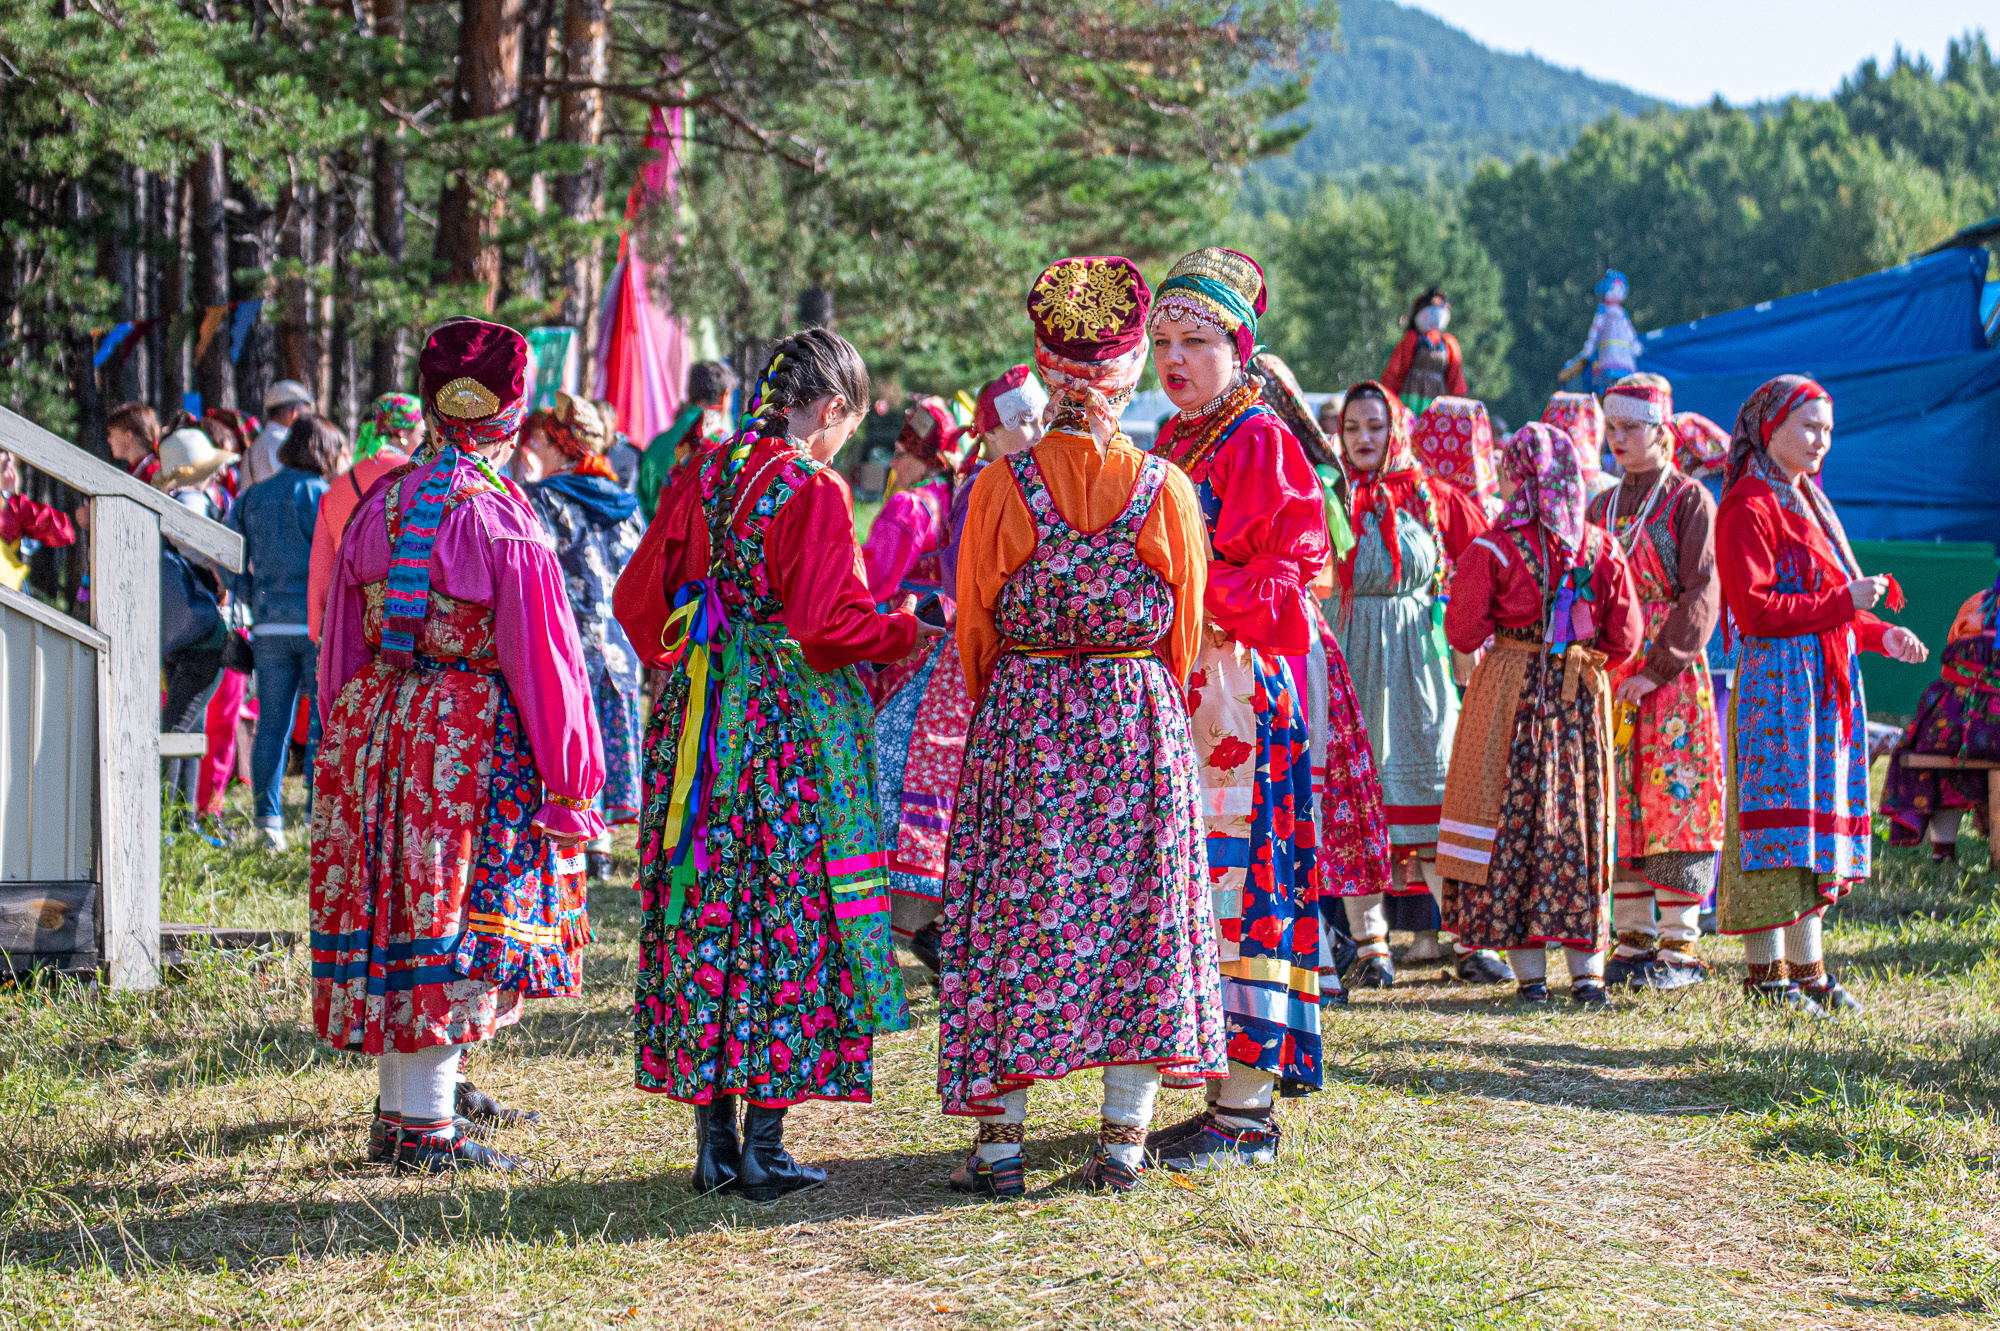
x: 189, y: 457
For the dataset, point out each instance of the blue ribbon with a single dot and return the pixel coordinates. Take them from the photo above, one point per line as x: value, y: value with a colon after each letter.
x: 118, y: 333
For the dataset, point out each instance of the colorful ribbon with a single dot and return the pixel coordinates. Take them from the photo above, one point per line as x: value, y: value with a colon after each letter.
x: 698, y: 623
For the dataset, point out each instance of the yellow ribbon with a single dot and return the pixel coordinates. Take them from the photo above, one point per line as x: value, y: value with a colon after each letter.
x: 693, y: 717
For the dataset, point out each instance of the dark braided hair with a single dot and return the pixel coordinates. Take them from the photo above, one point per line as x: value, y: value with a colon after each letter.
x: 805, y: 367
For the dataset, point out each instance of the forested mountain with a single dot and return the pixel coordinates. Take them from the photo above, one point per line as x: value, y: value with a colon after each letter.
x: 1408, y: 93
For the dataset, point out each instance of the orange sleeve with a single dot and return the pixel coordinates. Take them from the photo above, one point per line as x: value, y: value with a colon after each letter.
x: 999, y: 536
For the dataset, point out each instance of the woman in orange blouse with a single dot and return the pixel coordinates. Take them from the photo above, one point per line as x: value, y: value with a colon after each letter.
x: 1078, y: 929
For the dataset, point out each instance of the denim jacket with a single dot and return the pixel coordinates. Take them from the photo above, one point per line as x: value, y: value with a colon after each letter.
x: 276, y: 517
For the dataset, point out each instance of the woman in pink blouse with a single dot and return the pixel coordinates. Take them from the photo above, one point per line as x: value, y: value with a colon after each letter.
x: 461, y: 762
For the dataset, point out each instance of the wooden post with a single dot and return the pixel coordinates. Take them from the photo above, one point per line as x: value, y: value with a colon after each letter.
x: 127, y: 522
x: 125, y: 605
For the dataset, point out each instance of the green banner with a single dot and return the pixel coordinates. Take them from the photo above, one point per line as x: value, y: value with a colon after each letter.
x: 1936, y: 579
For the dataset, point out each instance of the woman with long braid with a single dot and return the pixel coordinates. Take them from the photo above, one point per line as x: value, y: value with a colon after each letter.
x: 765, y: 962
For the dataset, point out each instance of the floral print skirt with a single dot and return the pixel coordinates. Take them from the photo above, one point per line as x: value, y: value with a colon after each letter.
x: 1253, y: 738
x: 402, y: 798
x: 1959, y: 717
x: 747, y: 989
x: 1077, y: 927
x: 1549, y: 879
x: 618, y: 721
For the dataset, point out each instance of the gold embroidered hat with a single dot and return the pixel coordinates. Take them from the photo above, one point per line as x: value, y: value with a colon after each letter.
x: 1221, y: 288
x: 1090, y: 322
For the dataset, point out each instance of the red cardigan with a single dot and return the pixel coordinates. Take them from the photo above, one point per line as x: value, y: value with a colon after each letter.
x: 1754, y: 537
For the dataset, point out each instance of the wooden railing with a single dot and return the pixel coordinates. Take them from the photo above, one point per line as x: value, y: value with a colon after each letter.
x: 127, y: 519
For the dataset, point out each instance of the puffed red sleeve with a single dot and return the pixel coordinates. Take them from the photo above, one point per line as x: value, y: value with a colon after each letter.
x: 1621, y: 622
x: 1748, y: 538
x: 1398, y: 367
x: 1460, y: 520
x: 21, y: 517
x: 673, y: 551
x: 1469, y: 616
x: 1270, y: 538
x: 817, y: 572
x: 1454, y: 375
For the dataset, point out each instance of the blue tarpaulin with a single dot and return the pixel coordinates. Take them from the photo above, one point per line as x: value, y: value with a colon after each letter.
x: 1915, y: 311
x: 1916, y: 391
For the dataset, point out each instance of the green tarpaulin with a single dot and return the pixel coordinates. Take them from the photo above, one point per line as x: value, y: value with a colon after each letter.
x: 1936, y: 577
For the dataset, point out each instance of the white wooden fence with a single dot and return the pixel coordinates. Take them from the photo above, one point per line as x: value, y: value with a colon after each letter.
x: 109, y: 730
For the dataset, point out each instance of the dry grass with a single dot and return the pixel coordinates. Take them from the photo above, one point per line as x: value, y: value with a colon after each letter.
x: 192, y: 1158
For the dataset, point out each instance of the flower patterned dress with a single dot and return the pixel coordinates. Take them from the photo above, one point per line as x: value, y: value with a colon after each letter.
x: 760, y: 973
x: 1670, y: 772
x: 595, y: 535
x: 1077, y: 927
x: 436, y: 903
x: 1958, y: 717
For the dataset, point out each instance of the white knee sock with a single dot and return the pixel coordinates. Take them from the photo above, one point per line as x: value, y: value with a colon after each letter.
x: 1944, y: 826
x: 1368, y: 921
x: 1129, y: 1092
x: 1529, y: 963
x: 1680, y: 923
x: 1246, y: 1088
x: 1805, y: 950
x: 1013, y: 1109
x: 1583, y: 965
x: 389, y: 1082
x: 1764, y: 951
x: 430, y: 1088
x: 1632, y: 913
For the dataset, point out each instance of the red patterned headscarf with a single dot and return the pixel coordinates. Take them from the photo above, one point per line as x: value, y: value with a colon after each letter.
x: 1548, y: 486
x: 1579, y: 416
x: 939, y: 447
x: 577, y: 430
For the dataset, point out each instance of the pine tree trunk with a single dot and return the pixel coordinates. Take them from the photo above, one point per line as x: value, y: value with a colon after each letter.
x: 295, y: 229
x: 530, y: 115
x: 580, y: 195
x: 214, y: 375
x: 342, y: 401
x: 468, y: 234
x: 176, y: 337
x: 387, y: 196
x: 250, y: 249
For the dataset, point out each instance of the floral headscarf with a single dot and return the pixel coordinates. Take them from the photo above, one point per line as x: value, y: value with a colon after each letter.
x: 391, y: 414
x: 1749, y: 455
x: 1548, y: 487
x: 1398, y: 485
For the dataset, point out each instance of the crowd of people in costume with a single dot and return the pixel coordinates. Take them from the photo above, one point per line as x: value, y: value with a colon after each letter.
x: 1143, y: 753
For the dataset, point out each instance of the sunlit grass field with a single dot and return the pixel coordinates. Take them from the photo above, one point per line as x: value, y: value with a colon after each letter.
x: 191, y: 1157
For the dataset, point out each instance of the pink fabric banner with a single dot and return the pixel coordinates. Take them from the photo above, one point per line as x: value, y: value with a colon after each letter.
x: 642, y: 350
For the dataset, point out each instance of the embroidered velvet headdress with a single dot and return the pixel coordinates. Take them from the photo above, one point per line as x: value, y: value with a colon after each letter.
x: 1090, y: 323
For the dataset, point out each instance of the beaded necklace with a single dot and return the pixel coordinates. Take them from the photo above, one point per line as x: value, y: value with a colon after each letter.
x: 1214, y: 423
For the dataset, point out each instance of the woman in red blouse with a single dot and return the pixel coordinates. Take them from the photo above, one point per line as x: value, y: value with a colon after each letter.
x: 1524, y: 842
x: 1796, y: 835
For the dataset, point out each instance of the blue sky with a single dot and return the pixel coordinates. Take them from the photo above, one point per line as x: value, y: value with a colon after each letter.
x: 1747, y: 50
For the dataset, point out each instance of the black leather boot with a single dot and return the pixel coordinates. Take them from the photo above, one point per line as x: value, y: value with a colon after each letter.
x: 768, y: 1172
x: 717, y: 1156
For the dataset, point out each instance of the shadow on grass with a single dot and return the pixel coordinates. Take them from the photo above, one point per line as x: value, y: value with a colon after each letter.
x: 390, y: 1215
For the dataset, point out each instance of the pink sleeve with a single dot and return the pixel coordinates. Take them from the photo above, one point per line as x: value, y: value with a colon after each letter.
x: 1270, y: 538
x: 534, y: 636
x: 343, y: 644
x: 903, y: 531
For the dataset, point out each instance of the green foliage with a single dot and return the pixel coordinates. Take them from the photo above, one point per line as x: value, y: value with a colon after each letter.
x: 1409, y: 94
x: 938, y: 154
x: 1706, y: 211
x: 1949, y: 121
x: 1344, y: 268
